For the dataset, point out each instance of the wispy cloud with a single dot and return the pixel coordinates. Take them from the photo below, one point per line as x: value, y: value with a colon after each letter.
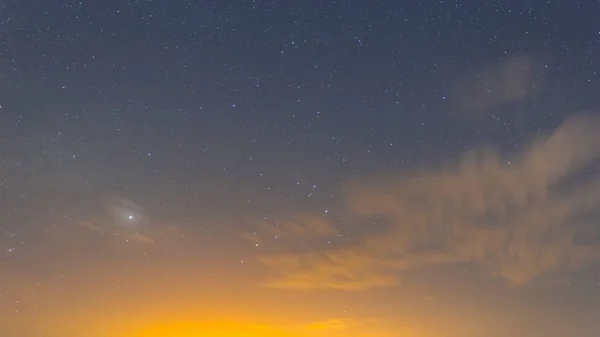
x: 297, y: 225
x: 124, y: 220
x: 344, y: 326
x: 301, y: 225
x: 519, y: 217
x: 513, y: 79
x: 351, y: 268
x: 331, y: 324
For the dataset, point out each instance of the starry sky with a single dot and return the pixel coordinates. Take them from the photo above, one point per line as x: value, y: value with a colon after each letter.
x: 299, y: 168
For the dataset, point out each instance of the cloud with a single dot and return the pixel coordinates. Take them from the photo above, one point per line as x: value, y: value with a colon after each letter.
x: 343, y: 326
x: 303, y: 225
x: 143, y: 235
x: 123, y: 220
x: 127, y: 235
x: 346, y: 269
x: 513, y: 79
x: 139, y: 237
x: 296, y: 225
x: 332, y: 324
x: 519, y: 217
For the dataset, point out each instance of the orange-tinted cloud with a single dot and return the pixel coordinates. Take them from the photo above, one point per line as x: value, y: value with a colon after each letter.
x: 331, y: 324
x: 298, y: 225
x: 351, y: 268
x: 301, y: 225
x: 345, y: 326
x: 519, y: 217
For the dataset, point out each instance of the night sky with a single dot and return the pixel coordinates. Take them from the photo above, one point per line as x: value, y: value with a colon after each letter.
x: 299, y: 168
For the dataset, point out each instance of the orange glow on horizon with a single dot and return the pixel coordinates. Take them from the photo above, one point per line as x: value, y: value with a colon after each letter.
x: 213, y: 329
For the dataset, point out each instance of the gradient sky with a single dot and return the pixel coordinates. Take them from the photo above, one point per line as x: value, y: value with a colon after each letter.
x: 299, y: 168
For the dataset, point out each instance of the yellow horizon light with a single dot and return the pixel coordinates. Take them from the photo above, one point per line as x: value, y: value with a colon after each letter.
x: 212, y: 329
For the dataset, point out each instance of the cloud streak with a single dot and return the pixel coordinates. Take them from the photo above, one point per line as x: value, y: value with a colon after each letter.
x: 514, y: 79
x: 300, y: 225
x: 123, y: 220
x: 519, y: 217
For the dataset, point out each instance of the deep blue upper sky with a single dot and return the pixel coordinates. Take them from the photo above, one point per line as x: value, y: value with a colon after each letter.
x: 301, y: 84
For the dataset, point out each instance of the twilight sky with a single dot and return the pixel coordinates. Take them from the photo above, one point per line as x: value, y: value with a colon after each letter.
x: 299, y: 168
